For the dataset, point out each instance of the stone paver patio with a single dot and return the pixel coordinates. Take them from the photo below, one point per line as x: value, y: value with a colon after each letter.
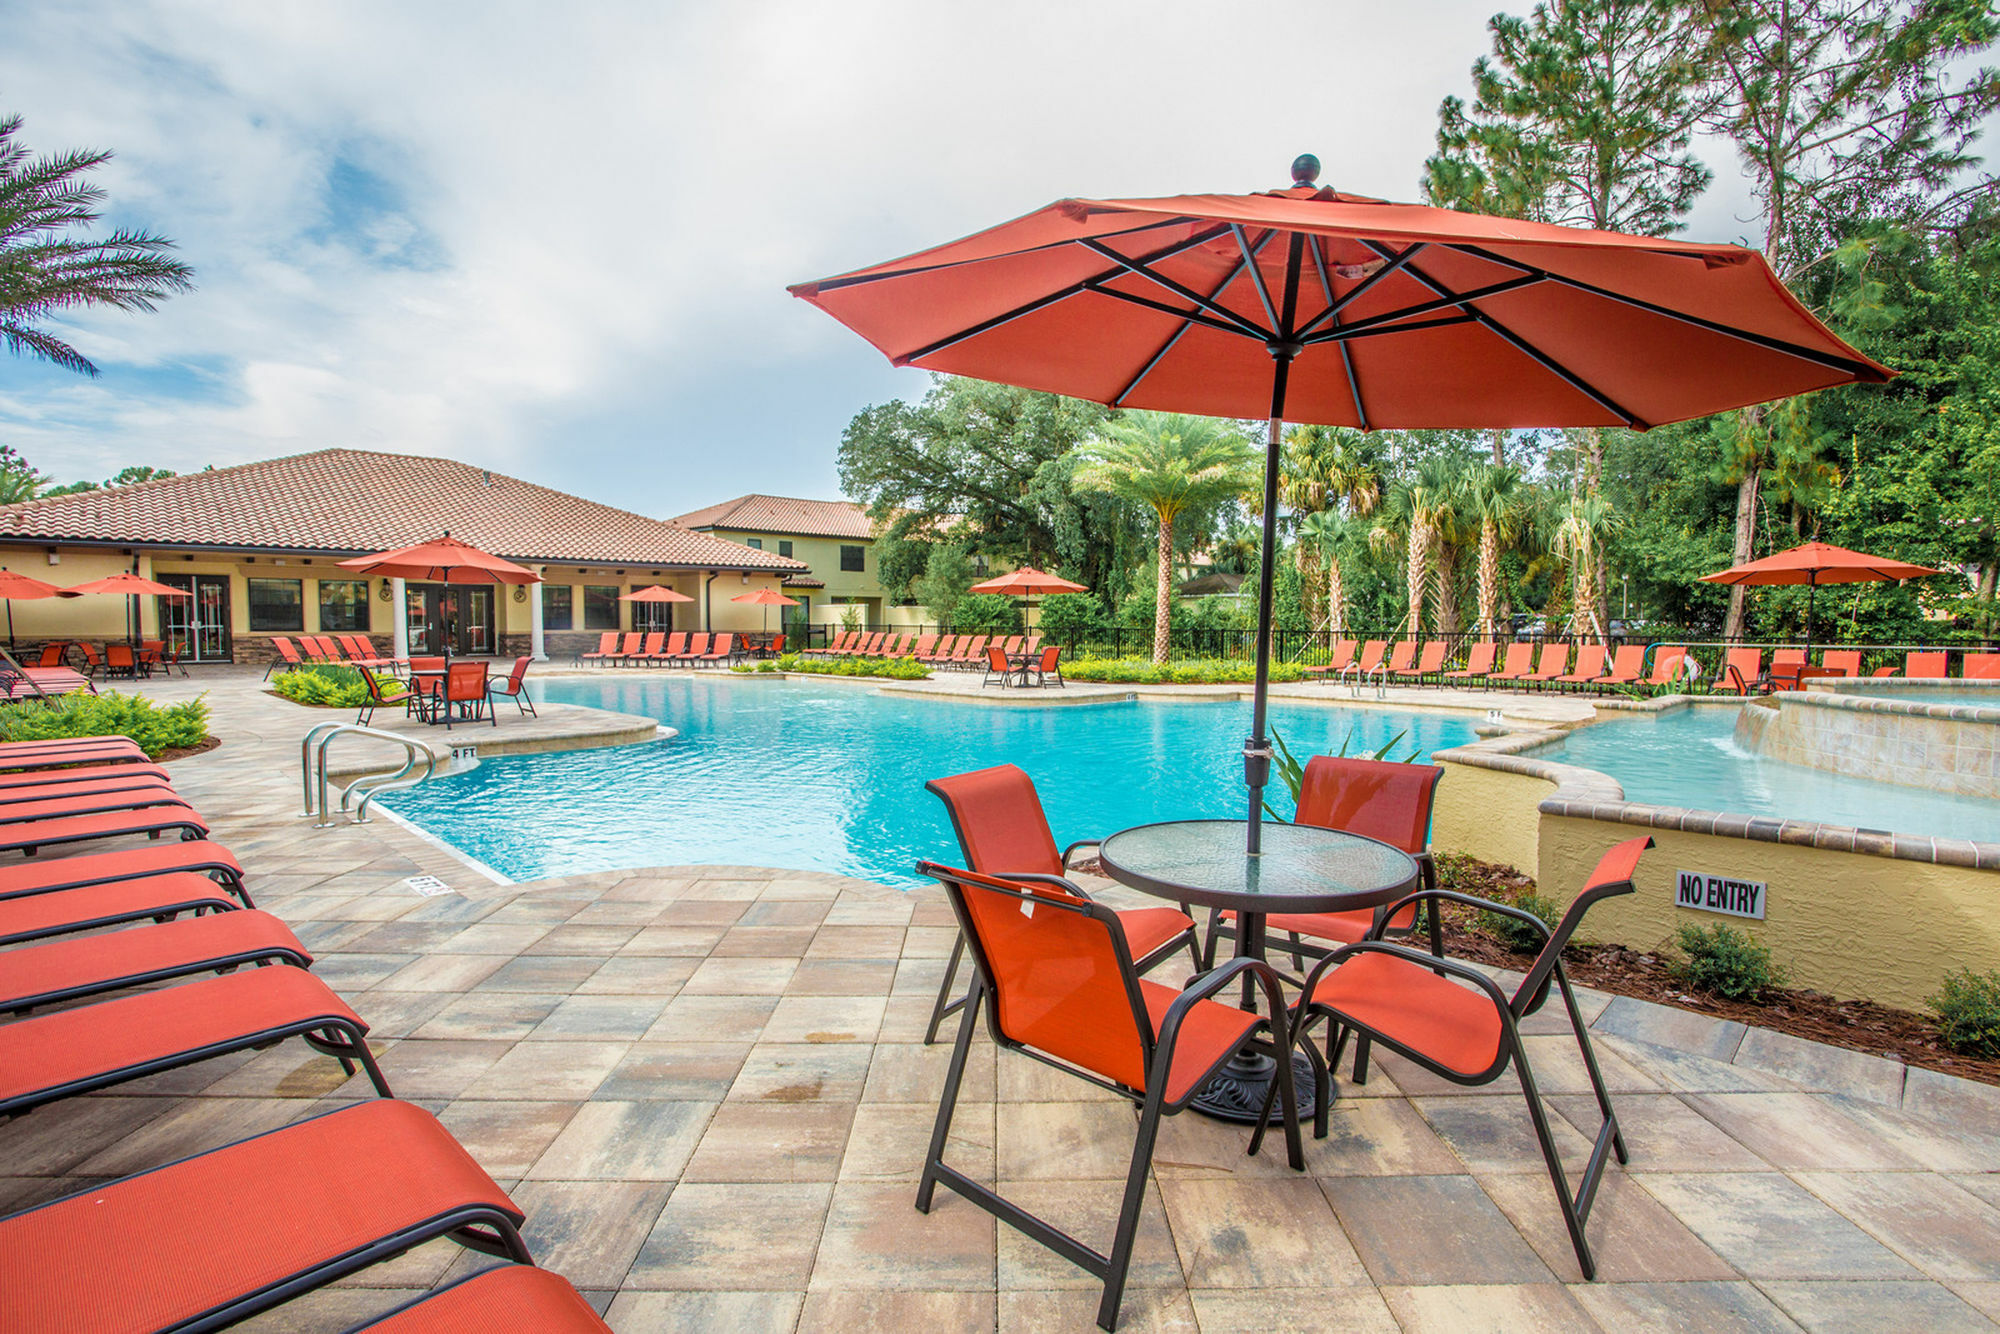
x: 706, y: 1086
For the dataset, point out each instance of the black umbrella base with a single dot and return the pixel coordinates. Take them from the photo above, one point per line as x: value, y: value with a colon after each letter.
x: 1238, y: 1090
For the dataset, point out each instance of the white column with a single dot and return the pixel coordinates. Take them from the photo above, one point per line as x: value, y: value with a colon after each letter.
x: 399, y: 617
x: 535, y: 645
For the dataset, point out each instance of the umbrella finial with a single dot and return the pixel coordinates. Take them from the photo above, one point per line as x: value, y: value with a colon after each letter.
x: 1305, y: 170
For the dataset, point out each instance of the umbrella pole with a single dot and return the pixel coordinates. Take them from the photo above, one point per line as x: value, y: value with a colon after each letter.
x: 1812, y: 587
x: 1257, y: 750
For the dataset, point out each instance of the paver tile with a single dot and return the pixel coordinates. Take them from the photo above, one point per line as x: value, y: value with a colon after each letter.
x: 739, y: 977
x: 1662, y: 1133
x: 826, y: 1019
x: 637, y: 1312
x: 549, y: 1070
x: 1258, y: 1234
x: 1632, y: 1236
x: 1683, y: 1308
x: 1087, y: 1211
x: 1497, y: 1135
x: 1944, y: 1231
x: 1769, y: 1227
x: 735, y: 1237
x: 912, y: 1072
x: 506, y: 1137
x: 677, y: 1071
x: 835, y: 1312
x: 1479, y: 1247
x: 1833, y: 1306
x: 875, y: 1238
x: 712, y: 1019
x: 889, y: 1141
x: 755, y: 1141
x: 802, y: 1072
x: 1143, y: 1311
x: 1498, y: 1308
x: 1066, y: 1141
x: 649, y: 1140
x: 1802, y: 1130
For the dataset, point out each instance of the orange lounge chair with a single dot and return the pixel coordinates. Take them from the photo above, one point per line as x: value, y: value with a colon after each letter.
x: 1980, y: 666
x: 211, y: 1240
x: 67, y: 743
x: 940, y: 651
x: 1669, y: 662
x: 1055, y: 972
x: 1478, y: 663
x: 56, y: 807
x: 67, y: 970
x: 998, y: 818
x: 677, y: 646
x: 1627, y: 666
x: 1919, y: 665
x: 1401, y: 657
x: 1517, y: 664
x: 1742, y: 671
x: 629, y: 646
x: 96, y: 784
x: 59, y: 912
x: 1846, y: 661
x: 1034, y: 642
x: 1589, y: 666
x: 1554, y: 664
x: 1429, y: 663
x: 1342, y: 656
x: 522, y: 1297
x: 839, y: 644
x: 921, y: 649
x: 607, y: 648
x: 67, y: 1052
x: 723, y: 650
x: 1369, y: 662
x: 654, y: 649
x: 77, y: 773
x: 361, y: 652
x: 198, y: 856
x: 30, y: 836
x: 288, y: 656
x: 18, y: 762
x: 1012, y: 646
x: 970, y: 653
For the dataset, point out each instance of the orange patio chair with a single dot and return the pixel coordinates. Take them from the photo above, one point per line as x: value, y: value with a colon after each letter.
x: 1057, y: 975
x: 776, y: 648
x: 1337, y: 662
x: 385, y: 694
x: 61, y: 912
x: 1429, y: 663
x: 1001, y: 829
x: 607, y: 649
x: 1049, y: 664
x: 1517, y: 663
x: 997, y: 667
x: 1478, y: 663
x: 1980, y: 666
x: 514, y: 686
x: 1377, y: 799
x: 93, y: 661
x: 120, y: 660
x: 1368, y: 663
x: 200, y: 857
x: 1669, y: 665
x: 1627, y: 666
x: 1554, y: 664
x: 1919, y: 665
x: 214, y: 1239
x: 1456, y: 1022
x: 1846, y: 661
x: 52, y: 654
x: 1784, y: 673
x: 922, y: 648
x: 1742, y: 670
x: 1589, y: 666
x: 67, y: 970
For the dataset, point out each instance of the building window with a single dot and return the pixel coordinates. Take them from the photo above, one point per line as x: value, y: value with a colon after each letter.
x: 850, y: 558
x: 557, y: 612
x: 277, y: 604
x: 600, y: 607
x: 343, y: 604
x: 754, y: 543
x: 784, y: 547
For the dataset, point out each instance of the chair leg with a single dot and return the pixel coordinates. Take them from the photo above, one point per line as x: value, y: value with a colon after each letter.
x: 1128, y: 1212
x: 1590, y: 1063
x: 945, y: 1005
x: 1575, y: 1211
x: 948, y: 1102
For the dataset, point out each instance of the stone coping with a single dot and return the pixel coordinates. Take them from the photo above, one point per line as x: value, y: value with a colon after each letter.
x: 1853, y: 700
x: 1587, y: 794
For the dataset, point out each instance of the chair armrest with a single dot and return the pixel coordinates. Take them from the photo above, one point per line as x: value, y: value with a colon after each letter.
x: 1070, y: 851
x: 1429, y: 962
x: 1215, y: 980
x: 1036, y: 878
x: 1471, y: 901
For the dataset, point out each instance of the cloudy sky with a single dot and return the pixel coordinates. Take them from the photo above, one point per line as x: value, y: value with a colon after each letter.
x: 554, y: 240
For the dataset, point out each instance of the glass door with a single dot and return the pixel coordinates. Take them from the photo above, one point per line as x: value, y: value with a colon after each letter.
x: 197, y: 628
x: 475, y: 619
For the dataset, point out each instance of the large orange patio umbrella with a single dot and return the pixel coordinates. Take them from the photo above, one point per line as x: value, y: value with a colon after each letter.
x: 654, y: 593
x: 442, y: 560
x: 24, y: 588
x: 1817, y: 563
x: 766, y: 598
x: 132, y: 586
x: 1028, y: 581
x: 1311, y: 305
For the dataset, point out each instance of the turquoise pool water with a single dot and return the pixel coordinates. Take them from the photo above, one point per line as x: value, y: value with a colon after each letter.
x: 830, y: 778
x: 1689, y: 758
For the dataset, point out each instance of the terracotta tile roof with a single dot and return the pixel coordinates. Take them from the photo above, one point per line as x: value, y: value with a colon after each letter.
x: 782, y: 514
x: 354, y: 501
x: 803, y: 581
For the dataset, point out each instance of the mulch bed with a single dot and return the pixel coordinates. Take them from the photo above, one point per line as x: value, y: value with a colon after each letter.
x: 182, y: 752
x: 1863, y: 1026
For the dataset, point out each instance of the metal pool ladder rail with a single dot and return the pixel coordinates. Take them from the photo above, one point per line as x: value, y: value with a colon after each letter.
x: 312, y: 762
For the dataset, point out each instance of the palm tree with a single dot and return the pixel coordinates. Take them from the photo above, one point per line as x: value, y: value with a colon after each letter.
x: 1414, y: 510
x: 1319, y: 534
x: 1495, y: 496
x: 1322, y: 469
x: 1585, y: 524
x: 1172, y: 464
x: 44, y: 272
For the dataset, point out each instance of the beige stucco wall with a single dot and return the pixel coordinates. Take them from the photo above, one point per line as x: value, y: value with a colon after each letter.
x: 1489, y: 814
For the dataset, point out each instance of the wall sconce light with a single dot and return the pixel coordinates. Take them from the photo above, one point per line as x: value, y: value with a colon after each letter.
x: 520, y: 593
x: 746, y: 576
x: 385, y: 594
x: 55, y: 557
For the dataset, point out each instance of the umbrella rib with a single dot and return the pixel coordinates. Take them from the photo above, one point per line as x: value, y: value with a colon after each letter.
x: 1461, y: 300
x: 1257, y: 277
x: 863, y: 279
x: 1187, y: 320
x: 1827, y: 359
x: 1192, y: 317
x: 1342, y: 337
x: 1141, y: 269
x: 1367, y: 284
x: 1527, y: 349
x: 1332, y: 316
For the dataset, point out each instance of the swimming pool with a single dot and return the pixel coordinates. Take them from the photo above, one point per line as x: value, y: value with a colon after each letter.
x: 811, y: 776
x: 1690, y: 758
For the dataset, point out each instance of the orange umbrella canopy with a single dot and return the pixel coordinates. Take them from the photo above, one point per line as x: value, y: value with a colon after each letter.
x: 443, y: 560
x: 129, y: 584
x: 1818, y: 563
x: 1389, y: 315
x: 766, y: 597
x: 656, y: 593
x: 1027, y: 580
x: 15, y: 586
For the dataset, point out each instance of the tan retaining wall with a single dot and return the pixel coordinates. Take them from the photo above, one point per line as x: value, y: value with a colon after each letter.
x: 1490, y: 815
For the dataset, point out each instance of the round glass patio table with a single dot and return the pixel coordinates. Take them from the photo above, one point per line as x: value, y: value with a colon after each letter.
x: 1302, y: 869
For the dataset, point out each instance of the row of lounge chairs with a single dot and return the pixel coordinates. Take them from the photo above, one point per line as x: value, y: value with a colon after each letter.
x: 662, y: 649
x: 350, y: 650
x: 1743, y: 669
x: 962, y: 652
x: 215, y: 1238
x: 1486, y: 665
x: 43, y: 683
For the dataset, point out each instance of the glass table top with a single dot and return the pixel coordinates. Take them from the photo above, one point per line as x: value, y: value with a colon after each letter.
x: 1302, y: 867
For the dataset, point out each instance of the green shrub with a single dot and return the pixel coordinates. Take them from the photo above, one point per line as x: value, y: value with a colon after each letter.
x: 323, y: 685
x: 986, y: 614
x: 900, y: 669
x: 155, y: 727
x: 1190, y: 671
x: 1968, y: 1012
x: 1725, y: 962
x: 1516, y: 934
x: 1069, y: 617
x: 762, y: 665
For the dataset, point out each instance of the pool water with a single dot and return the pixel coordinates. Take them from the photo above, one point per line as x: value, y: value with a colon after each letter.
x: 807, y: 776
x: 1690, y: 758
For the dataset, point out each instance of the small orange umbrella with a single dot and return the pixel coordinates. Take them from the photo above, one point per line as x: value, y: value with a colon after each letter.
x: 133, y: 587
x: 1817, y: 563
x: 1028, y: 581
x: 766, y: 598
x: 26, y: 588
x: 656, y: 593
